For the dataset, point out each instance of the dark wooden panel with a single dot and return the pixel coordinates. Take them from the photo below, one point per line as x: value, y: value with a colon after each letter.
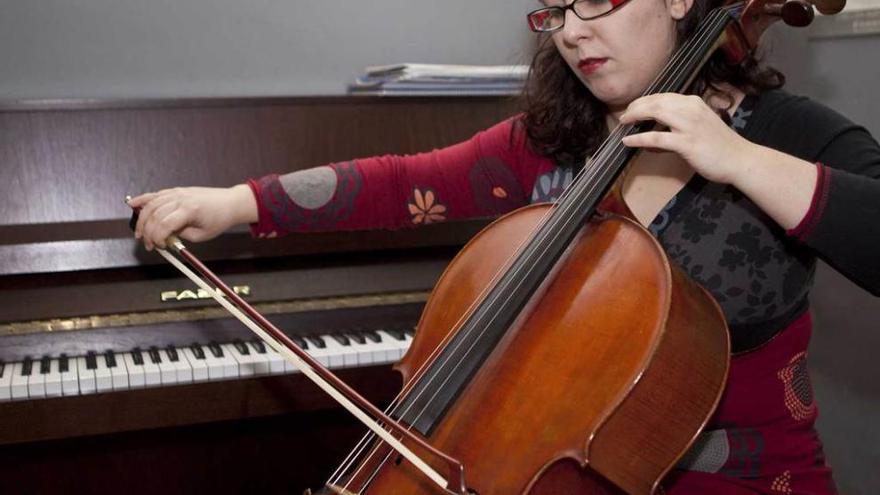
x: 66, y: 165
x: 275, y: 455
x: 264, y: 435
x: 114, y: 412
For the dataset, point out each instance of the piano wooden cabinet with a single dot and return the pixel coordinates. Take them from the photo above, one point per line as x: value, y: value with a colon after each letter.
x: 73, y: 282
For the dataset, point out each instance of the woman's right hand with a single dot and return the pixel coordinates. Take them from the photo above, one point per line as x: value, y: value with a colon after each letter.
x: 193, y: 213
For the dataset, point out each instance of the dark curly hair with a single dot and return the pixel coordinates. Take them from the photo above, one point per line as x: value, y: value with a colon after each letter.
x: 565, y: 122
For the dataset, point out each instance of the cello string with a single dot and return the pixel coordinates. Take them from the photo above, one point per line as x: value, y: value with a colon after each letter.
x: 615, y: 152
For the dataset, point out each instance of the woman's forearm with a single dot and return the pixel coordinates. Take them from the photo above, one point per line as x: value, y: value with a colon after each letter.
x: 243, y: 204
x: 780, y: 184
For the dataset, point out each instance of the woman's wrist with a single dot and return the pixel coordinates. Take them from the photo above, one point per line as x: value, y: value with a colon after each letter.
x: 780, y: 184
x: 243, y: 205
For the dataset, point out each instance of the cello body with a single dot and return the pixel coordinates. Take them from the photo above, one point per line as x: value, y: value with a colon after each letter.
x: 607, y: 375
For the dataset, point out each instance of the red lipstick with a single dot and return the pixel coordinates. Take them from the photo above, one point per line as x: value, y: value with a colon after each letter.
x: 591, y: 65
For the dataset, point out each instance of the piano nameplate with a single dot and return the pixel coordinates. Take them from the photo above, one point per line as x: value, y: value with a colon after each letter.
x: 189, y: 295
x: 195, y: 314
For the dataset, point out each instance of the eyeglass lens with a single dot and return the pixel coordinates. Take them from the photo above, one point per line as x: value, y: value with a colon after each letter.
x: 553, y: 17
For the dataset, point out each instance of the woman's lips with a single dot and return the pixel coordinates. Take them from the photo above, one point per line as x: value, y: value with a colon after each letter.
x: 591, y: 65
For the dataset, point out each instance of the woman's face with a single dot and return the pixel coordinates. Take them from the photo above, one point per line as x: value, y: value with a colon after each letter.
x: 617, y: 56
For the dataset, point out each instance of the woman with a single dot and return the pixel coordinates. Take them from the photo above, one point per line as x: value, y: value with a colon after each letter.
x: 744, y: 190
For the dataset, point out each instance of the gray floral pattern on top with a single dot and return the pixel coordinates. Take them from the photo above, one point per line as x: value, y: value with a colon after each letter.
x: 725, y: 242
x: 549, y: 186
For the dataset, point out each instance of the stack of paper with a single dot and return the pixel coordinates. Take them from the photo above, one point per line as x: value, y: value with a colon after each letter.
x: 440, y: 80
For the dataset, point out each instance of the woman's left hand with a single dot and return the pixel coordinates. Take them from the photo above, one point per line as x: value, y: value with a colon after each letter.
x: 696, y: 132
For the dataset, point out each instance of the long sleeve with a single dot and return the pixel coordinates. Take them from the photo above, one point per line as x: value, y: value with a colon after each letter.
x: 841, y: 226
x: 843, y: 223
x: 487, y: 175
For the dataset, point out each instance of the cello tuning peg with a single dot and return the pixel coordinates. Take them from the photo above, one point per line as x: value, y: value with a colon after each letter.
x: 829, y: 7
x: 797, y: 13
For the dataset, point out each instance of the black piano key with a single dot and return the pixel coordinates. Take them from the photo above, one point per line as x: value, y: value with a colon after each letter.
x: 260, y: 346
x: 357, y: 337
x: 110, y: 358
x: 409, y: 331
x: 215, y: 349
x: 197, y: 351
x: 91, y: 360
x: 137, y: 356
x: 172, y: 354
x: 397, y: 334
x: 45, y: 365
x: 373, y: 335
x: 316, y: 341
x: 63, y: 363
x: 301, y: 342
x: 242, y: 347
x: 342, y: 339
x: 26, y: 366
x: 154, y: 355
x: 2, y: 368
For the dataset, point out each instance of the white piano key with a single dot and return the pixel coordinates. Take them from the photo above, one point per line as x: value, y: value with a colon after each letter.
x: 199, y: 366
x: 119, y: 376
x: 182, y: 368
x: 244, y: 362
x: 398, y: 346
x: 387, y: 351
x: 377, y: 350
x: 218, y: 365
x: 36, y: 382
x: 86, y: 376
x: 167, y: 370
x: 276, y: 363
x: 19, y: 388
x: 260, y: 360
x: 5, y: 381
x: 407, y: 340
x: 324, y: 355
x: 103, y: 374
x: 364, y: 351
x: 263, y: 360
x: 230, y: 368
x: 69, y: 377
x: 53, y: 380
x: 344, y: 355
x: 136, y: 372
x: 152, y: 373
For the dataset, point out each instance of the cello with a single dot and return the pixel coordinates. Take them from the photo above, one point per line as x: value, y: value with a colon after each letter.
x: 560, y: 351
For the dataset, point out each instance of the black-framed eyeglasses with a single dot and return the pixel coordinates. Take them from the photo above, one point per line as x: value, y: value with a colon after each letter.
x: 553, y: 18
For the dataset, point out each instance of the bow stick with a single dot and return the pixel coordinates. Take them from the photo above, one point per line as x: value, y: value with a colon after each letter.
x: 315, y: 371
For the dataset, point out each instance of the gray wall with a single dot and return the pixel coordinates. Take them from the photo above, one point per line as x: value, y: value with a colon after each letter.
x: 145, y: 48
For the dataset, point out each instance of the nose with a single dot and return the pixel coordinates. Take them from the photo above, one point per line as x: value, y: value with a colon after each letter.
x: 575, y: 28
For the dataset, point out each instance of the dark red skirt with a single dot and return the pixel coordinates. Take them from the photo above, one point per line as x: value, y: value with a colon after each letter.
x: 762, y: 437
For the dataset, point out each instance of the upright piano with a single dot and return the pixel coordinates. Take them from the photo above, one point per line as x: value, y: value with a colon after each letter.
x: 116, y: 373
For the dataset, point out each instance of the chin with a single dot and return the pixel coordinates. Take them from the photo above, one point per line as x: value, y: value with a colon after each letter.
x: 611, y: 97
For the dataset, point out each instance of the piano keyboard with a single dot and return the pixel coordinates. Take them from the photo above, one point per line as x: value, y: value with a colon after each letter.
x: 106, y: 371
